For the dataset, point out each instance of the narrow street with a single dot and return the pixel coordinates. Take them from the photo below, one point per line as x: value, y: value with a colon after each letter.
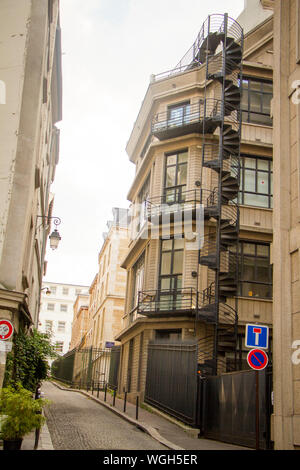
x: 77, y: 423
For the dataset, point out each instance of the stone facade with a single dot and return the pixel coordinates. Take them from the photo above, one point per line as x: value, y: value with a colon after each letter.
x: 30, y: 106
x: 286, y: 311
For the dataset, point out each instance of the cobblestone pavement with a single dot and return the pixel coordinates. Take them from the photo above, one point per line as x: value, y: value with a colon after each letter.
x: 77, y: 423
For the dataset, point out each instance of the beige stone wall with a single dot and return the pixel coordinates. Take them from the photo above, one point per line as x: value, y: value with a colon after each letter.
x: 286, y: 224
x: 27, y: 134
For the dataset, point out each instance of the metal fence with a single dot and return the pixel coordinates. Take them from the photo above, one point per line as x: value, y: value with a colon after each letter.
x: 171, y: 383
x: 84, y: 368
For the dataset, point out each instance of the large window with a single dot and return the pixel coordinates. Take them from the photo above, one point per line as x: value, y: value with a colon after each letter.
x: 255, y: 270
x: 175, y: 177
x: 138, y: 279
x: 256, y: 101
x: 256, y: 182
x: 170, y: 279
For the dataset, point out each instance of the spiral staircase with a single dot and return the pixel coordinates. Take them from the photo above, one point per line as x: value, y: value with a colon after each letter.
x: 219, y: 46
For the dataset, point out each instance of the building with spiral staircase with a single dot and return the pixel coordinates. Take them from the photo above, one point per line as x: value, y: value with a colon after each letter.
x: 202, y: 146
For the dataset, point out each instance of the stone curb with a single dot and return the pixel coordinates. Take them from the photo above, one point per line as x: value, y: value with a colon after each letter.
x: 143, y: 426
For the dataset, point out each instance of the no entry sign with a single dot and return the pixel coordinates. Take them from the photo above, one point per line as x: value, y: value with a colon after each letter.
x: 257, y: 359
x: 6, y: 329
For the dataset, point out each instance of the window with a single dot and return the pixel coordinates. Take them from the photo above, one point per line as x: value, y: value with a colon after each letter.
x: 77, y: 291
x: 255, y: 270
x: 61, y: 326
x: 170, y: 279
x: 53, y: 289
x: 63, y: 308
x: 48, y: 326
x: 142, y: 201
x: 256, y: 182
x: 65, y: 291
x: 138, y: 278
x: 179, y: 114
x: 59, y: 346
x: 256, y: 101
x: 175, y: 177
x: 50, y: 307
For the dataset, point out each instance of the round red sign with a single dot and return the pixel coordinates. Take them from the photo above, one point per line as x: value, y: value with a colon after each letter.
x: 6, y: 329
x: 257, y: 359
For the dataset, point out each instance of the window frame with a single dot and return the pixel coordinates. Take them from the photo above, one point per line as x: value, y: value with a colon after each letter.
x: 177, y: 165
x: 256, y: 258
x: 256, y: 170
x: 247, y: 111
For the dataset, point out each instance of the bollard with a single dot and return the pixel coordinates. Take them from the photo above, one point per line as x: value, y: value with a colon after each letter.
x: 92, y: 387
x: 98, y: 390
x: 114, y: 398
x: 137, y: 409
x: 105, y: 390
x: 125, y: 400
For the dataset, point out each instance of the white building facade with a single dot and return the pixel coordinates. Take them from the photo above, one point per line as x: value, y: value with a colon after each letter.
x: 56, y: 312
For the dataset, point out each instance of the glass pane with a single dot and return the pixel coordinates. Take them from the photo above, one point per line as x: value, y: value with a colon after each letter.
x: 167, y: 245
x: 262, y: 182
x: 170, y: 196
x: 263, y: 164
x: 261, y: 119
x: 255, y: 102
x: 170, y: 177
x: 165, y: 283
x: 182, y: 173
x: 178, y: 262
x: 250, y: 162
x: 166, y: 263
x: 171, y: 160
x: 182, y: 157
x: 266, y: 103
x: 249, y: 181
x: 256, y: 200
x: 267, y: 87
x: 248, y: 268
x: 255, y: 85
x: 179, y: 282
x: 244, y: 101
x: 263, y: 250
x: 249, y: 248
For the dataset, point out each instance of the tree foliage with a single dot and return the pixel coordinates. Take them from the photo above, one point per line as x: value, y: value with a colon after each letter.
x: 27, y: 362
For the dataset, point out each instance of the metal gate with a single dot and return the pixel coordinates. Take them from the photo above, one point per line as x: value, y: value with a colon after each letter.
x: 232, y: 411
x: 114, y: 367
x: 171, y: 382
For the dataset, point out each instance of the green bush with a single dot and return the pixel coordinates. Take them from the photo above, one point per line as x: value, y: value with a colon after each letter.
x: 27, y: 363
x: 22, y: 412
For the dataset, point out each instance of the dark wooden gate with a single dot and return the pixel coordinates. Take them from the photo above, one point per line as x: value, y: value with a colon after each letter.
x: 228, y: 408
x: 171, y: 382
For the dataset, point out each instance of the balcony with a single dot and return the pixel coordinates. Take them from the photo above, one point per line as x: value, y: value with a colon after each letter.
x: 202, y: 117
x: 168, y: 302
x: 170, y: 208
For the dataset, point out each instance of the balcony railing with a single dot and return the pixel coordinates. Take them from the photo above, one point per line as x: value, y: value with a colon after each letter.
x: 181, y: 201
x: 203, y: 116
x: 168, y: 302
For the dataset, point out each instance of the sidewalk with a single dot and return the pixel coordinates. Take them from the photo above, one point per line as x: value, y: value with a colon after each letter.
x: 168, y: 431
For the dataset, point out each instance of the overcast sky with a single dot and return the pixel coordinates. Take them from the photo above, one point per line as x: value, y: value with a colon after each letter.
x: 110, y: 48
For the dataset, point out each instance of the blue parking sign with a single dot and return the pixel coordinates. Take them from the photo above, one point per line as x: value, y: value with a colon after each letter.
x: 257, y: 336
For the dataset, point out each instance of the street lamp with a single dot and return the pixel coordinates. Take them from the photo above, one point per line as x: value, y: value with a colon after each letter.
x: 55, y: 237
x: 48, y: 291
